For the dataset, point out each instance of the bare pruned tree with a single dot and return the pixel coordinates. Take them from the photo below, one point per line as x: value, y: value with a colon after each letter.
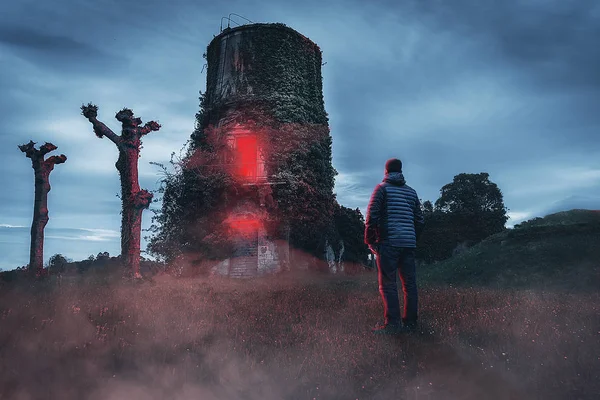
x: 134, y: 200
x: 41, y: 168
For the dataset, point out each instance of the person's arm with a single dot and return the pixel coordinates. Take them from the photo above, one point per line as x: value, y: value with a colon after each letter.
x: 419, y: 218
x: 373, y: 215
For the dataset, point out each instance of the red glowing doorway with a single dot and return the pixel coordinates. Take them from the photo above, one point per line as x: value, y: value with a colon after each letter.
x: 247, y: 157
x: 248, y: 163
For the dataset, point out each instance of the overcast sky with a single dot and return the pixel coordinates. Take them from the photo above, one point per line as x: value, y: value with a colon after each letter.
x: 509, y: 88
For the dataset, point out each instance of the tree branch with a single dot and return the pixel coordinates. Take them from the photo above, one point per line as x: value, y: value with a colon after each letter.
x: 56, y: 160
x: 142, y: 199
x: 28, y: 149
x: 149, y: 127
x: 33, y: 153
x: 46, y: 148
x: 90, y: 111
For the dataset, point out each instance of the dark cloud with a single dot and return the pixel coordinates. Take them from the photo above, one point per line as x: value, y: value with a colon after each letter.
x: 56, y: 52
x: 555, y: 41
x: 43, y: 42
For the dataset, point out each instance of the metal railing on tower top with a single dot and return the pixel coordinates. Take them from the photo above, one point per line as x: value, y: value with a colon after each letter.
x: 228, y: 18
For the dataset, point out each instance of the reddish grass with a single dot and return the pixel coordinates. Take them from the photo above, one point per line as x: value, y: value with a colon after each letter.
x: 290, y: 337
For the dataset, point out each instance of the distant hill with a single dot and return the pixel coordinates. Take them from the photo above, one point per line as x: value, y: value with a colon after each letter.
x: 558, y: 251
x: 575, y: 216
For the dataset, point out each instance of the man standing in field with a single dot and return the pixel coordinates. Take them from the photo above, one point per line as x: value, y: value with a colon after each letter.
x: 394, y: 222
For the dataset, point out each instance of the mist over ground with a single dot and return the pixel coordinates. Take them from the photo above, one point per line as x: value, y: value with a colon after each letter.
x: 292, y: 336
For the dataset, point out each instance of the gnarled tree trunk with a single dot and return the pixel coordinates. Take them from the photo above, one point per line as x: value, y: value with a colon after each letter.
x: 41, y: 169
x: 134, y: 200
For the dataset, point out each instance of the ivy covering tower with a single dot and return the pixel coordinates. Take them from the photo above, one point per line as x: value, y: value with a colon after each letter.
x: 260, y: 153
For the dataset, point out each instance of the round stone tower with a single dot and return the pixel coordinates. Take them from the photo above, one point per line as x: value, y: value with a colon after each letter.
x: 256, y: 70
x: 266, y: 63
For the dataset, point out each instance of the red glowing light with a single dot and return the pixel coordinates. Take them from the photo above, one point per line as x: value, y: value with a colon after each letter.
x: 244, y: 224
x: 246, y: 157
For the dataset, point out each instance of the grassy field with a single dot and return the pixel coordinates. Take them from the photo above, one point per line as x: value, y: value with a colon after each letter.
x: 291, y: 337
x: 515, y: 317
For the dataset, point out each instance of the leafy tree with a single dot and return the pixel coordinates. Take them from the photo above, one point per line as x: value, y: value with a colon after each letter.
x: 475, y: 205
x: 469, y: 209
x: 58, y: 263
x: 350, y: 225
x: 427, y: 207
x: 195, y: 199
x: 439, y: 237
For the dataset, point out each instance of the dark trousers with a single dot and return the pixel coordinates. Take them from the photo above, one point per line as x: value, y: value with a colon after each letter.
x: 390, y: 261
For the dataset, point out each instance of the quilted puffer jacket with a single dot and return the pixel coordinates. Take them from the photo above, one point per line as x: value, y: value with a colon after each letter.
x: 394, y: 214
